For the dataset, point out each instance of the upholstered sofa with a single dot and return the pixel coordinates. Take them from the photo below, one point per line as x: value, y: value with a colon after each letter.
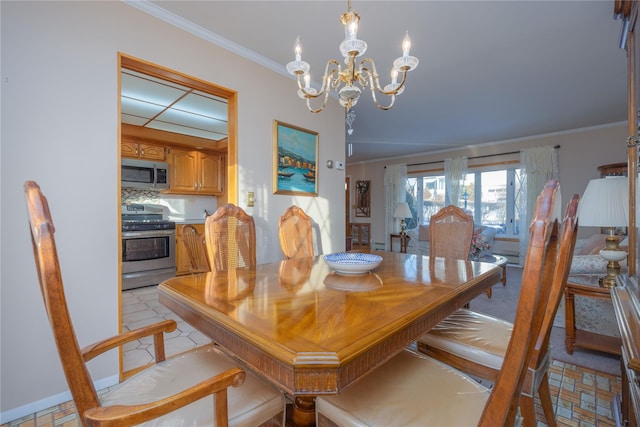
x: 419, y: 239
x: 586, y: 258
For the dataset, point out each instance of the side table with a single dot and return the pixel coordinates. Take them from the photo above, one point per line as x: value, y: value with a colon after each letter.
x: 586, y: 286
x: 404, y: 241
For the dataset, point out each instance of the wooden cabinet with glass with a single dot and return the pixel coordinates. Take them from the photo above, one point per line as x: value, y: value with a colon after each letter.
x: 196, y: 172
x: 360, y: 237
x: 135, y: 150
x: 613, y: 169
x: 183, y: 265
x: 625, y: 295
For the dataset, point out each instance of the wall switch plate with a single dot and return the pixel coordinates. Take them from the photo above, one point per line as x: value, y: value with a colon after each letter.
x: 339, y: 165
x: 250, y: 199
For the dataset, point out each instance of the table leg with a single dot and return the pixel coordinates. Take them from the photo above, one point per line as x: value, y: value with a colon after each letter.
x: 504, y: 275
x: 570, y: 321
x: 304, y: 411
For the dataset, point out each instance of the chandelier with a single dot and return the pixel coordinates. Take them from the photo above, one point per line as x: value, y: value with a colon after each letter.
x: 350, y: 81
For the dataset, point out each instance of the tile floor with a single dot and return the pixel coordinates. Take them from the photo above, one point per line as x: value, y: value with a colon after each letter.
x: 582, y: 397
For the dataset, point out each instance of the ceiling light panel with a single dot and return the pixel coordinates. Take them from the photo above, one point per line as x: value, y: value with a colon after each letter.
x: 158, y: 104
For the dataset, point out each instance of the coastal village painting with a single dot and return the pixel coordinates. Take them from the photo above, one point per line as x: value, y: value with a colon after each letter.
x: 296, y: 154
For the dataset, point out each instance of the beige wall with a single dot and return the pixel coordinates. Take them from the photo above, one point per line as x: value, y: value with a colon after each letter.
x: 59, y: 127
x: 581, y: 152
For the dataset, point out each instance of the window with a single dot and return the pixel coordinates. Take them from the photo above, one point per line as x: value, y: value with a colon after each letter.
x: 425, y: 196
x: 492, y: 197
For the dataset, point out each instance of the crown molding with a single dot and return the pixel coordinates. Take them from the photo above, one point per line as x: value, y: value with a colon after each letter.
x: 198, y: 31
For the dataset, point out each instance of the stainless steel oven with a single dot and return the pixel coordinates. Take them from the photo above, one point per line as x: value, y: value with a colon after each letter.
x: 148, y: 246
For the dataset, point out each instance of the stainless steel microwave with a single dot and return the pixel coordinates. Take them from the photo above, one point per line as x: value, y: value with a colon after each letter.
x: 144, y: 174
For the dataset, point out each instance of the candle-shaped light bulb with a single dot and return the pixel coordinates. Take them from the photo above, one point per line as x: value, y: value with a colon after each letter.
x: 394, y: 76
x: 297, y: 48
x: 353, y: 27
x: 307, y: 81
x: 406, y: 44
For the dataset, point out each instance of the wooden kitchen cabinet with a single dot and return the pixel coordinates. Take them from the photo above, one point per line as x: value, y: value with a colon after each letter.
x: 142, y: 151
x: 211, y: 173
x: 196, y: 172
x: 183, y: 265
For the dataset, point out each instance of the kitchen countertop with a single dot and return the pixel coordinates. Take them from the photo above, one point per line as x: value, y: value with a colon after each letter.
x: 186, y: 220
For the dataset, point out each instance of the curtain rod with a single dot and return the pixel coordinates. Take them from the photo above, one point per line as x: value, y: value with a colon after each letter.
x: 474, y: 157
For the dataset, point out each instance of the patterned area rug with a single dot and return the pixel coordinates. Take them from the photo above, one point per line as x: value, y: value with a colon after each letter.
x: 503, y: 304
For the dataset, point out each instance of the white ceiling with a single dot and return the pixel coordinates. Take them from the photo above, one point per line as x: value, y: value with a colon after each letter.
x: 490, y: 71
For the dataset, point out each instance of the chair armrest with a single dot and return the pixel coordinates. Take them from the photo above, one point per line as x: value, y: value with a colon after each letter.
x: 125, y: 415
x: 156, y: 329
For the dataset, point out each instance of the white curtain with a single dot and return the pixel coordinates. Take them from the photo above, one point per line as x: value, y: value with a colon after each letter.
x: 395, y: 180
x: 540, y: 164
x: 454, y: 171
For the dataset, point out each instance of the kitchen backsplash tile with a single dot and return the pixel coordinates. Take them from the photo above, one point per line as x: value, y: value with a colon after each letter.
x: 181, y: 207
x: 133, y: 195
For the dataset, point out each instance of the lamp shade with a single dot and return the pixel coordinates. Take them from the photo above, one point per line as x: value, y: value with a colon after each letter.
x: 605, y: 203
x: 402, y: 211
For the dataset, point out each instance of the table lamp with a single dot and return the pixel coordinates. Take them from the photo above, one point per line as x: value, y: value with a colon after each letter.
x: 402, y: 211
x: 605, y: 203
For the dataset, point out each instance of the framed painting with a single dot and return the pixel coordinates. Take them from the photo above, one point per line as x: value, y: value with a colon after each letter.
x: 363, y: 202
x: 295, y: 158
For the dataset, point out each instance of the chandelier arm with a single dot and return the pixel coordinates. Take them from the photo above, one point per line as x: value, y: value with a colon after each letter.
x: 324, y: 103
x: 375, y: 99
x: 374, y: 85
x: 400, y: 87
x: 329, y: 75
x: 373, y: 77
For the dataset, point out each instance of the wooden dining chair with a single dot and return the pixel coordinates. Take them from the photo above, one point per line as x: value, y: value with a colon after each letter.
x: 198, y: 387
x: 196, y: 249
x: 450, y: 233
x: 476, y: 343
x: 230, y: 236
x: 296, y: 233
x: 415, y: 389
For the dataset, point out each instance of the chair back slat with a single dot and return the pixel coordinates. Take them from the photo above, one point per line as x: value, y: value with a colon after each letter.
x: 196, y: 249
x: 450, y: 233
x: 230, y: 236
x: 51, y: 286
x: 560, y: 275
x: 295, y: 233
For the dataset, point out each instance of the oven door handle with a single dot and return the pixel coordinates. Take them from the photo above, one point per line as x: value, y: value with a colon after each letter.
x: 147, y: 233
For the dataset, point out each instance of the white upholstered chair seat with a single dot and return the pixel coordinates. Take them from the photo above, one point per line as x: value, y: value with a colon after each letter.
x: 480, y: 339
x: 251, y: 404
x: 396, y: 394
x: 472, y: 336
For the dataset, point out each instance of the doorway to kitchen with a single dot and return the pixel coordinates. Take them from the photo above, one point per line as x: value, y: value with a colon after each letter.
x: 145, y: 122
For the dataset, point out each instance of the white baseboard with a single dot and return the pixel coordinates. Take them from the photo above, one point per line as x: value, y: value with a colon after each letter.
x: 50, y: 401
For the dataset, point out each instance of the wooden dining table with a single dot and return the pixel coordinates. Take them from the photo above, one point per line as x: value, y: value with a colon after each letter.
x: 310, y: 330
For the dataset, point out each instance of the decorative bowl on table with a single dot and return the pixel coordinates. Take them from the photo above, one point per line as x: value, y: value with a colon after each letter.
x: 352, y: 262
